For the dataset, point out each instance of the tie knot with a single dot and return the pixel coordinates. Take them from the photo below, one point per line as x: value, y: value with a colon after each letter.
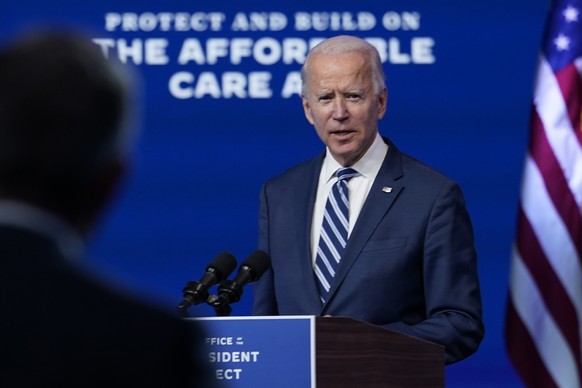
x: 346, y: 173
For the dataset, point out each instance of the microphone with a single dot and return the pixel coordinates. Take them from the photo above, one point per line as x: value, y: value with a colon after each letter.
x: 197, y: 292
x: 230, y: 291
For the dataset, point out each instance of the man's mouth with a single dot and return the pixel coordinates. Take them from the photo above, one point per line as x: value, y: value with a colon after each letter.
x: 341, y: 133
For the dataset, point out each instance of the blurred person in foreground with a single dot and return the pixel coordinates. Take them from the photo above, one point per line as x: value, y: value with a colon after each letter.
x: 408, y: 261
x: 63, y: 149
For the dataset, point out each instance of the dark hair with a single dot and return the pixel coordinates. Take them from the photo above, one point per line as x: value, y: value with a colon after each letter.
x: 62, y: 106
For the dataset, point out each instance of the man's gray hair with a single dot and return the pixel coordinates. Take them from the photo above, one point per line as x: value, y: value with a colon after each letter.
x: 344, y: 44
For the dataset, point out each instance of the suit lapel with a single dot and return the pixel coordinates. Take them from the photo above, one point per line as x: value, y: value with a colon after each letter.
x: 382, y: 195
x: 305, y: 198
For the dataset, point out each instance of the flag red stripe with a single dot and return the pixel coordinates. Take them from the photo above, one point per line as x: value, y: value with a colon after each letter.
x: 551, y: 289
x: 523, y: 352
x: 571, y: 86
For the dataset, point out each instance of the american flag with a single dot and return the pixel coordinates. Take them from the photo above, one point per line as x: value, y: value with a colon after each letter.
x: 544, y: 310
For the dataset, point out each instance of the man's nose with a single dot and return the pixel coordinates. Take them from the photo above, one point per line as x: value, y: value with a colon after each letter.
x: 340, y: 109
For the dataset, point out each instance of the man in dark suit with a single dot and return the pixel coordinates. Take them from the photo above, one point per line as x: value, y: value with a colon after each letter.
x: 409, y: 262
x: 63, y: 148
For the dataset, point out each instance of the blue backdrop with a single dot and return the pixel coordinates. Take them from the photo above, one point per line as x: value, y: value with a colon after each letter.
x: 219, y: 114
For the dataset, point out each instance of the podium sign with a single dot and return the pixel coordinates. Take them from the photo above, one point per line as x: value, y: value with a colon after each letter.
x: 250, y: 352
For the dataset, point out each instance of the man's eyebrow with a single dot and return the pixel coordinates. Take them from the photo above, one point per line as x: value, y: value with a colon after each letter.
x: 322, y: 92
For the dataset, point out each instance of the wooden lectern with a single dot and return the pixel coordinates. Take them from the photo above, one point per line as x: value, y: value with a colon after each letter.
x: 352, y: 353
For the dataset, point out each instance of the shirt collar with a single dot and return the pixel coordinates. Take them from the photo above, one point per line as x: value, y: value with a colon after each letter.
x: 368, y: 165
x: 28, y: 217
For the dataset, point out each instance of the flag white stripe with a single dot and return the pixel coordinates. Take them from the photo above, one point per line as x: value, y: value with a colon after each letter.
x: 552, y: 234
x: 546, y: 335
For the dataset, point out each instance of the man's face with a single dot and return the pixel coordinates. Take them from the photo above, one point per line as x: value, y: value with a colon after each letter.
x: 341, y: 104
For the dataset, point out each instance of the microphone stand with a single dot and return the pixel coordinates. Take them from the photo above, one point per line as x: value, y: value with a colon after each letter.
x: 221, y: 307
x: 194, y: 293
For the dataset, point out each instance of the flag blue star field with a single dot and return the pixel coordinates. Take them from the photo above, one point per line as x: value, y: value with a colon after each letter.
x: 544, y: 309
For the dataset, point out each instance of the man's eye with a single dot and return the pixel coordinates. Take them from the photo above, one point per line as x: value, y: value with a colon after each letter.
x: 354, y: 97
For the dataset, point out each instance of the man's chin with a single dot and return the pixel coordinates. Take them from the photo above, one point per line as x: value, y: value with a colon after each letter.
x: 345, y: 154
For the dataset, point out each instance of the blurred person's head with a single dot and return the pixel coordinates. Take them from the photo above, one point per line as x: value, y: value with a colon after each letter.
x: 63, y: 129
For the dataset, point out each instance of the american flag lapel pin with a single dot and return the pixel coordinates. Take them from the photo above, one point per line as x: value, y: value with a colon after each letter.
x: 387, y: 189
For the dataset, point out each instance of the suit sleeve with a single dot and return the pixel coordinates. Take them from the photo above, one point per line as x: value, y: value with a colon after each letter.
x: 264, y: 302
x: 451, y: 284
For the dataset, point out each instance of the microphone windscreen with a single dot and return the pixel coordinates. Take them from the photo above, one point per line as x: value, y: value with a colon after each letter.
x: 258, y: 262
x: 222, y: 265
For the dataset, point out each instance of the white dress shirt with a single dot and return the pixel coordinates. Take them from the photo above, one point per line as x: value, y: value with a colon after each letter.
x: 358, y: 187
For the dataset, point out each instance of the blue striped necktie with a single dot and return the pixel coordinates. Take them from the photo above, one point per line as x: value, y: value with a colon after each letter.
x: 334, y: 232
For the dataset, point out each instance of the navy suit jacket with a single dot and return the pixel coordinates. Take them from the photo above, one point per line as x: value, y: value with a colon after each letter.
x: 63, y: 327
x: 409, y: 264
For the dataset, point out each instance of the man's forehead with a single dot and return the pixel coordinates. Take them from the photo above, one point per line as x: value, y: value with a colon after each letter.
x: 334, y: 79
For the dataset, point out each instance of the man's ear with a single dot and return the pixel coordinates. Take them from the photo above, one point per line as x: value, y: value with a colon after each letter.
x: 382, y: 103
